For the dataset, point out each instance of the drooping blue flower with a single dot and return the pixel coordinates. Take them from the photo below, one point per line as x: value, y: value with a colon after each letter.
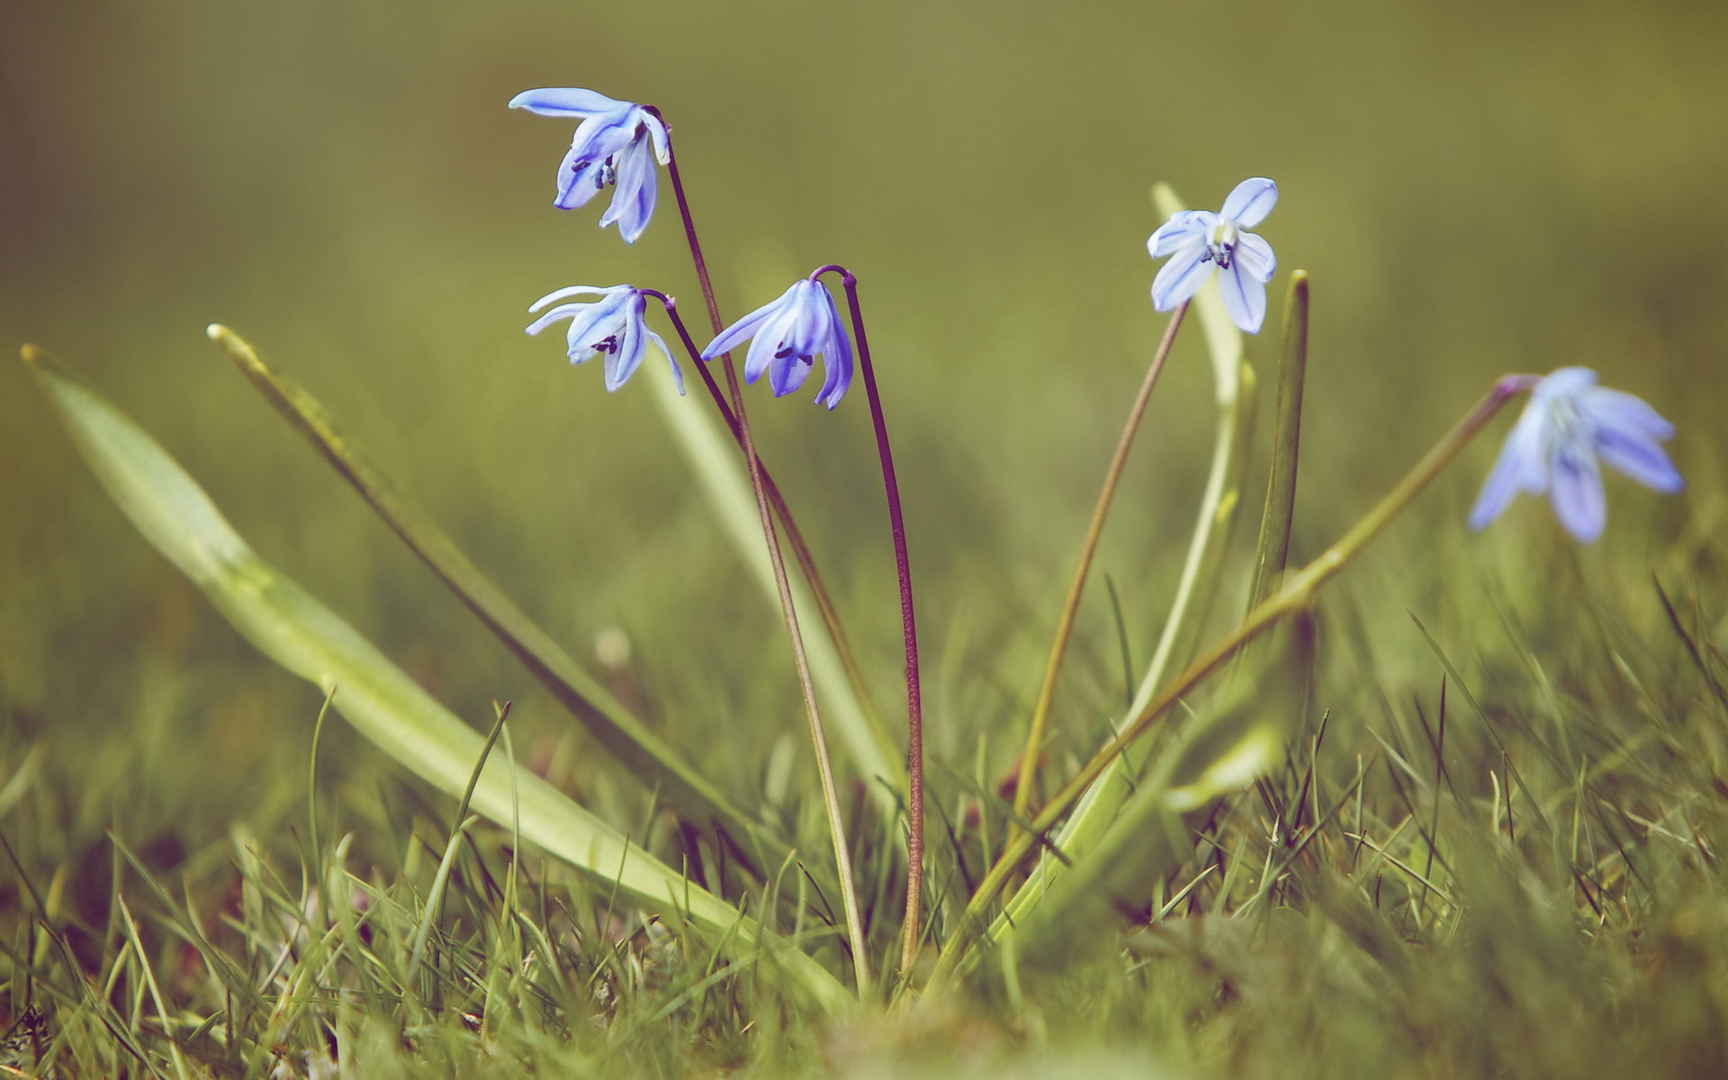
x: 616, y: 144
x: 1569, y: 423
x: 789, y: 334
x: 1200, y: 242
x: 610, y: 325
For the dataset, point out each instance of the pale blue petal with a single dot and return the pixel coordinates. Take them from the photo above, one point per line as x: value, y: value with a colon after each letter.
x: 622, y: 362
x: 743, y: 328
x: 1498, y: 490
x: 565, y: 101
x: 1623, y: 412
x: 1640, y: 458
x: 629, y: 208
x: 575, y: 181
x: 838, y: 358
x: 1244, y: 297
x: 575, y: 290
x: 1182, y: 227
x: 594, y: 323
x: 768, y: 341
x: 677, y: 372
x: 1577, y: 495
x: 1181, y: 277
x: 1249, y: 204
x: 787, y: 373
x: 1255, y: 255
x: 657, y: 132
x: 1563, y: 382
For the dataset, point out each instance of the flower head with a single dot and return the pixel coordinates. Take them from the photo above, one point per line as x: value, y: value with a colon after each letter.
x: 610, y: 325
x: 1568, y: 424
x: 790, y: 333
x: 616, y: 144
x: 1199, y: 242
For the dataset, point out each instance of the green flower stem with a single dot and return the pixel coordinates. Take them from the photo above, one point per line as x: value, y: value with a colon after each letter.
x: 1296, y: 594
x: 1088, y: 550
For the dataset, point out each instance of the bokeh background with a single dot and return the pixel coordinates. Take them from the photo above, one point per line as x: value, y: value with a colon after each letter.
x: 1475, y: 187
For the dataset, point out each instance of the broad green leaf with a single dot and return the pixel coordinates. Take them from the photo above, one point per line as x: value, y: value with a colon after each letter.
x: 645, y: 754
x: 382, y: 702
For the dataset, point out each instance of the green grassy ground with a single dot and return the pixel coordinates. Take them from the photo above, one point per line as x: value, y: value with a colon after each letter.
x: 1491, y: 850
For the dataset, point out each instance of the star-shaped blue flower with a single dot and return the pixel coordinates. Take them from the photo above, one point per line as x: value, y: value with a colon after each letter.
x: 616, y: 144
x: 1569, y: 423
x: 1200, y: 242
x: 610, y: 325
x: 789, y: 334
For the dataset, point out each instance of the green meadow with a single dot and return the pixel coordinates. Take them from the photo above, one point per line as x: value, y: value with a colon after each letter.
x: 379, y: 696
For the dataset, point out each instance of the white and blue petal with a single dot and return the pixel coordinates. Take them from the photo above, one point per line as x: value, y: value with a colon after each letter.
x: 1181, y: 228
x: 1182, y: 276
x: 787, y: 336
x: 1576, y: 492
x: 1244, y: 296
x: 566, y: 101
x: 1250, y: 202
x: 1623, y: 412
x: 612, y: 323
x: 1640, y: 458
x: 1255, y: 255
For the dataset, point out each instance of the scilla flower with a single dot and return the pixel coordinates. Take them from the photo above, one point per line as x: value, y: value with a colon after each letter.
x: 1200, y: 242
x: 1568, y: 424
x: 616, y: 144
x: 610, y: 325
x: 790, y: 333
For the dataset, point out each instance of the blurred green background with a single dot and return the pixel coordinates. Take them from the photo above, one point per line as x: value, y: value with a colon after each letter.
x: 1475, y: 188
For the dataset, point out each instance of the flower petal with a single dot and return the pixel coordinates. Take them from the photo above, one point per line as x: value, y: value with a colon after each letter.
x: 1255, y: 255
x: 677, y: 372
x: 1639, y: 458
x: 787, y: 373
x: 622, y: 362
x: 1181, y: 276
x: 1250, y: 202
x: 770, y: 337
x: 575, y: 180
x: 838, y: 358
x: 1623, y: 412
x: 565, y: 101
x: 1577, y: 494
x: 1182, y: 226
x: 576, y: 290
x: 1244, y: 297
x: 630, y: 208
x: 1498, y: 490
x: 743, y: 328
x: 657, y: 132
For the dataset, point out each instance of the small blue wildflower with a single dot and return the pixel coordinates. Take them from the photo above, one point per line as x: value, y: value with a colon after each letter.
x: 1568, y: 424
x: 790, y: 333
x: 617, y: 143
x: 611, y: 325
x: 1199, y: 242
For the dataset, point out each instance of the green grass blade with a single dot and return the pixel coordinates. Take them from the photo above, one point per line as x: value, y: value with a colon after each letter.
x: 720, y: 469
x: 382, y: 702
x: 653, y: 761
x: 1272, y: 550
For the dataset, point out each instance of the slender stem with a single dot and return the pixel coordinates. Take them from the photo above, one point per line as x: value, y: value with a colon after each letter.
x: 1088, y: 549
x: 908, y: 631
x: 818, y: 737
x: 800, y: 549
x: 1295, y: 594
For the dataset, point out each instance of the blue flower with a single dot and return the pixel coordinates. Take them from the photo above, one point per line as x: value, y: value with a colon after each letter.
x: 1568, y: 424
x: 1199, y: 242
x: 611, y: 324
x: 790, y: 333
x: 617, y: 143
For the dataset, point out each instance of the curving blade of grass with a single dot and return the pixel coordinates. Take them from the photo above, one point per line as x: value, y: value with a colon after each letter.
x: 383, y: 703
x: 648, y: 757
x: 723, y: 476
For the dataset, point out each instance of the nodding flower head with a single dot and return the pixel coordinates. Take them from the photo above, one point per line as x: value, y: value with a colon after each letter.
x: 616, y: 145
x: 610, y: 325
x: 1200, y: 242
x: 789, y: 334
x: 1569, y: 423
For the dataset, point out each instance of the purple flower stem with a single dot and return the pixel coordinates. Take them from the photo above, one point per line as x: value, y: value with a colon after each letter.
x: 800, y: 549
x: 818, y: 738
x: 909, y: 938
